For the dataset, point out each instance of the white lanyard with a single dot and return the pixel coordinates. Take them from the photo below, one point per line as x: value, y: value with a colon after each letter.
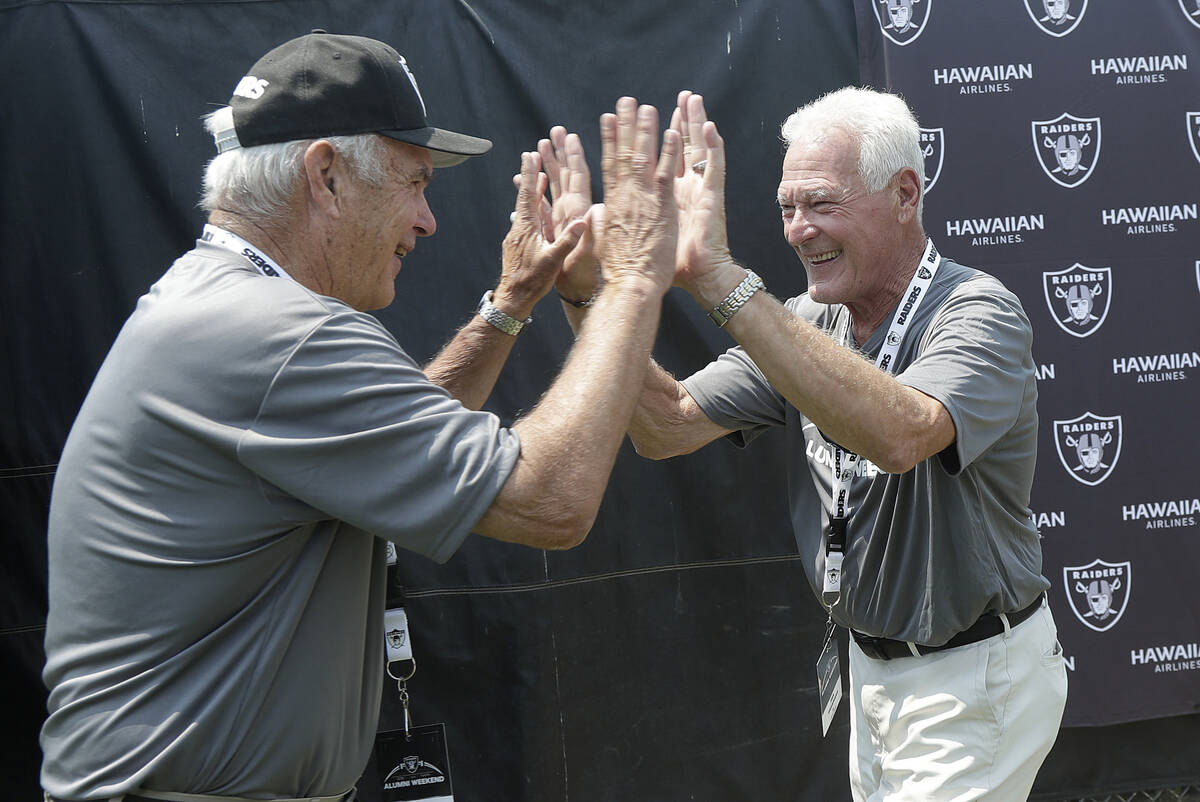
x: 232, y: 242
x: 844, y: 462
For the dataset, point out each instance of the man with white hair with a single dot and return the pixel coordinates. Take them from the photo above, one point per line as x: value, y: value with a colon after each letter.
x: 904, y: 385
x: 220, y: 515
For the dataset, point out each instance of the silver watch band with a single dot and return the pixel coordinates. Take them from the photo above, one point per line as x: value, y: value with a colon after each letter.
x: 736, y: 299
x: 506, y: 323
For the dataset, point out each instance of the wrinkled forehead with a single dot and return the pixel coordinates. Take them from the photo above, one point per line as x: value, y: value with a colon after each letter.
x: 826, y: 158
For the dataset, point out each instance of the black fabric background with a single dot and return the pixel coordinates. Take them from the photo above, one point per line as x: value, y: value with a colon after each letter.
x: 672, y: 655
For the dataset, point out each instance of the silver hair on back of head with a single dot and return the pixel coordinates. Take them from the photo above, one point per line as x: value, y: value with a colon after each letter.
x: 882, y: 124
x: 258, y: 181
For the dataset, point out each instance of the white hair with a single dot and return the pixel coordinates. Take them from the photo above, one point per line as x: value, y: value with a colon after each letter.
x: 882, y: 125
x: 258, y: 181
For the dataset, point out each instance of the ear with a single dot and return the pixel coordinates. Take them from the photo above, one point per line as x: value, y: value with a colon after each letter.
x: 324, y: 177
x: 908, y: 193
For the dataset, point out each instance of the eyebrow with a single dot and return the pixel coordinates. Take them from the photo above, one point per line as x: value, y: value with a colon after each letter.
x: 810, y: 196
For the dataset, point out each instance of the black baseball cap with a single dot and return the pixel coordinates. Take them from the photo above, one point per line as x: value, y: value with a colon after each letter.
x: 325, y: 84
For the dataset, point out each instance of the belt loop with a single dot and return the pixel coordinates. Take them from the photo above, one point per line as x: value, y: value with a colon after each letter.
x: 912, y: 647
x: 1004, y: 620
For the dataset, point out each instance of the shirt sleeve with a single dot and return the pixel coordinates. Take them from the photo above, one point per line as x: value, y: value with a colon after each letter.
x: 733, y: 393
x: 976, y: 360
x: 351, y: 426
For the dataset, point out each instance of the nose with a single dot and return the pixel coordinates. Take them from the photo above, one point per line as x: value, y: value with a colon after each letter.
x: 426, y: 223
x: 798, y: 229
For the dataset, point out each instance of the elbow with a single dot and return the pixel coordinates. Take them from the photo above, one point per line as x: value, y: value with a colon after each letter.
x: 567, y: 531
x: 652, y: 448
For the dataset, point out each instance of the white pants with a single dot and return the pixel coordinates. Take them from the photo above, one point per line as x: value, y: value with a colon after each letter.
x: 974, y: 722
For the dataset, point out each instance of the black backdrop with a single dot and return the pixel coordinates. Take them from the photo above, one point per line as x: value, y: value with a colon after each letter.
x: 669, y: 657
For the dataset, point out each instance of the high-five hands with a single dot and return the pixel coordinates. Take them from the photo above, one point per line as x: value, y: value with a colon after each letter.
x: 699, y: 194
x: 637, y: 226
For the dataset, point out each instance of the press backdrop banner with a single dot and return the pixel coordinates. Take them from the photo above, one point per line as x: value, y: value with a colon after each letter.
x: 1062, y: 154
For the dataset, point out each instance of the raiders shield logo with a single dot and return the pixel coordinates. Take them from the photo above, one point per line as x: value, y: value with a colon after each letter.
x: 932, y: 146
x: 1098, y: 592
x: 1191, y: 11
x: 1067, y: 147
x: 902, y: 21
x: 1078, y: 297
x: 1088, y: 446
x: 1056, y: 17
x: 1193, y: 124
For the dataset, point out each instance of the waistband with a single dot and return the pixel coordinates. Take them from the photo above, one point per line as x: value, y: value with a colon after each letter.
x: 987, y: 626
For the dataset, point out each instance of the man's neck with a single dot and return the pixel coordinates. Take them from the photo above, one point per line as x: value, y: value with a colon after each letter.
x: 292, y: 255
x: 866, y: 317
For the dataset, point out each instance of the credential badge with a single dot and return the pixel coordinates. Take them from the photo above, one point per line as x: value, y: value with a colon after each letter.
x: 1056, y: 17
x: 902, y: 21
x: 1191, y: 11
x: 1098, y: 592
x: 1067, y: 147
x: 1193, y: 124
x: 1088, y: 446
x: 933, y: 147
x: 1078, y: 297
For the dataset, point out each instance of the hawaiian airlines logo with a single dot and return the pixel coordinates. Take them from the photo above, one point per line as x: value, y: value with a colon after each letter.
x: 1098, y: 592
x: 901, y: 20
x: 1193, y: 125
x: 933, y: 145
x: 1191, y: 11
x: 1054, y: 16
x: 1088, y: 446
x: 1078, y: 297
x: 1067, y: 147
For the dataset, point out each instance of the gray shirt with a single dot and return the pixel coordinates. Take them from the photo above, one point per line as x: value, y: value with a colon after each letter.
x: 216, y: 569
x: 930, y: 550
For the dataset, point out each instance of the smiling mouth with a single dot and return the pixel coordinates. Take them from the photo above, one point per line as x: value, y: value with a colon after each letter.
x: 822, y: 258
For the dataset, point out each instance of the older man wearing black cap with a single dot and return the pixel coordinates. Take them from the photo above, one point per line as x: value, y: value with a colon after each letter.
x: 221, y: 511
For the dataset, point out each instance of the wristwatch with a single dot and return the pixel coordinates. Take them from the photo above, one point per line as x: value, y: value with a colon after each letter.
x: 506, y: 323
x: 736, y: 299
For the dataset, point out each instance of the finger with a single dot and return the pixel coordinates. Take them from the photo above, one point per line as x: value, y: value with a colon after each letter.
x: 714, y: 173
x: 670, y: 161
x: 696, y: 118
x: 558, y: 137
x: 677, y: 125
x: 580, y: 178
x: 627, y: 114
x: 550, y: 164
x: 608, y: 150
x: 567, y: 240
x: 527, y: 195
x: 645, y: 143
x: 545, y: 210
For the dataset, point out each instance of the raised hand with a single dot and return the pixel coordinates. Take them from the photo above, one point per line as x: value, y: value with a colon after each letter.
x: 533, y: 252
x: 638, y: 226
x: 699, y: 193
x: 570, y: 182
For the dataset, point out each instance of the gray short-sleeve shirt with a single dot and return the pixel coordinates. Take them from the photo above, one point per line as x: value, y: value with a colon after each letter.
x: 216, y: 553
x: 930, y: 550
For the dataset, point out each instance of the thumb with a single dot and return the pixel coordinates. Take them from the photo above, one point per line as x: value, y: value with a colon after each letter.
x: 567, y: 238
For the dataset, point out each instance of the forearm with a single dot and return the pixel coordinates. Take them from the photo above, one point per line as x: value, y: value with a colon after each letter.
x: 570, y: 441
x: 666, y: 420
x: 859, y: 406
x: 468, y: 366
